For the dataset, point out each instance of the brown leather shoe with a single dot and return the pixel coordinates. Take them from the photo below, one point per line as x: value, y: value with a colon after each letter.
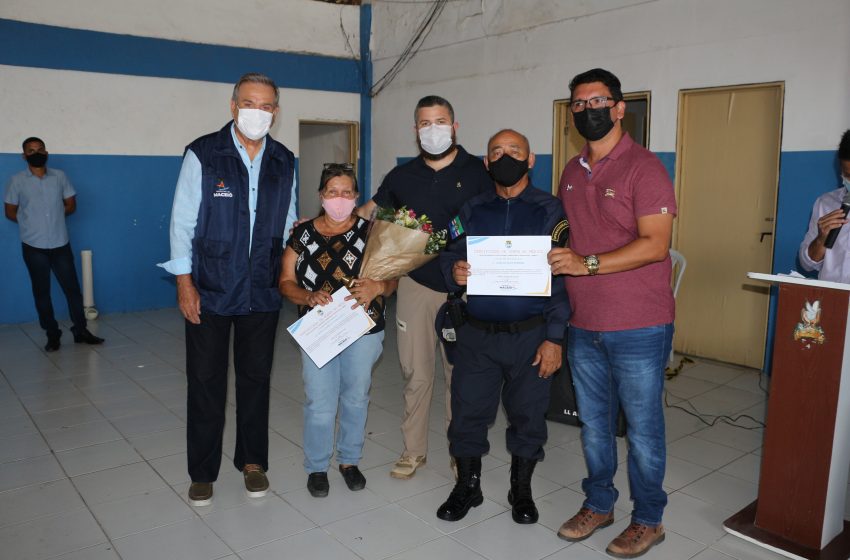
x: 635, y: 541
x: 583, y: 524
x: 200, y: 493
x: 256, y: 482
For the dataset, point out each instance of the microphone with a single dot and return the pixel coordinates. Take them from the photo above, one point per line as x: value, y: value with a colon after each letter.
x: 833, y: 233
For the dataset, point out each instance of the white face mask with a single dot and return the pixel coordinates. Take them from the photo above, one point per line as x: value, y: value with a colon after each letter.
x: 254, y: 123
x: 435, y: 139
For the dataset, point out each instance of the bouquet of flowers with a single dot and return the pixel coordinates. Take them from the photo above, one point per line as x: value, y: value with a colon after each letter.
x: 408, y: 219
x: 399, y: 241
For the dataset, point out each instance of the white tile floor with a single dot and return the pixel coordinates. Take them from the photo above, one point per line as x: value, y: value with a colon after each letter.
x: 92, y: 466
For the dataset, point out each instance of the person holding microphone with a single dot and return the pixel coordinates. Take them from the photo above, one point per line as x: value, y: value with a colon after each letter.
x: 826, y: 247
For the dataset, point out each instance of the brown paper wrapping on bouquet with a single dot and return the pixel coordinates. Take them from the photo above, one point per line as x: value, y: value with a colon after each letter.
x: 393, y: 250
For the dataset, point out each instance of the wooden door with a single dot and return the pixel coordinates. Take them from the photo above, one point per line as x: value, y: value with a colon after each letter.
x: 726, y: 180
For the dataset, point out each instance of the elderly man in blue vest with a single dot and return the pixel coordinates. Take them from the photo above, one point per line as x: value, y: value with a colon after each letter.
x: 233, y: 205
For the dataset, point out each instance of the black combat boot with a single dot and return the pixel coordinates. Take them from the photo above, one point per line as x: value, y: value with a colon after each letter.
x: 467, y: 490
x: 523, y: 509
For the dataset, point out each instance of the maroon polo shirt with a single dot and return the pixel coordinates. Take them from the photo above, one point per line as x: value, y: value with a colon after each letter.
x: 603, y: 206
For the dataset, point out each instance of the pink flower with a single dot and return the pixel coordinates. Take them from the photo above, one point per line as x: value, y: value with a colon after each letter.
x: 411, y: 213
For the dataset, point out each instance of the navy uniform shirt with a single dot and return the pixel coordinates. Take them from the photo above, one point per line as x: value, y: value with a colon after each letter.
x: 439, y: 194
x: 532, y: 212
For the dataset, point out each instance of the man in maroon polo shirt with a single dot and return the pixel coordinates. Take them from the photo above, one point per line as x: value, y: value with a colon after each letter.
x: 620, y: 205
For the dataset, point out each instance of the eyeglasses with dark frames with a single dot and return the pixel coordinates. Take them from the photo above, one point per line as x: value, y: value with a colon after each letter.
x: 579, y: 105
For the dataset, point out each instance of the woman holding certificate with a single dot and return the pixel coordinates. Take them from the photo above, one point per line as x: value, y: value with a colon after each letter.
x: 319, y: 255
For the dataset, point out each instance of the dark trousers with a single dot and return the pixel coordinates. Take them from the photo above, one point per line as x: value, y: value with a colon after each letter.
x: 488, y: 365
x: 61, y: 261
x: 207, y: 349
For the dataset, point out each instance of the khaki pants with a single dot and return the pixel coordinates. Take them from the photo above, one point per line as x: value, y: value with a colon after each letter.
x: 415, y: 315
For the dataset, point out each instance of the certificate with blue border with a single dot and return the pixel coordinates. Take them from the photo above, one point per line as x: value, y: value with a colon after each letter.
x: 507, y: 265
x: 326, y: 330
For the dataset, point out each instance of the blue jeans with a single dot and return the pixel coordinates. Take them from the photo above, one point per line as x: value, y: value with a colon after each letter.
x: 341, y: 385
x: 625, y: 368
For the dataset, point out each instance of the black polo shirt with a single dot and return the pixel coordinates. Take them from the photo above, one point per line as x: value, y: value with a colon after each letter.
x: 439, y: 194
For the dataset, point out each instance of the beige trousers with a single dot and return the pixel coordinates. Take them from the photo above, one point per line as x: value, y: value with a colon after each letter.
x: 416, y: 311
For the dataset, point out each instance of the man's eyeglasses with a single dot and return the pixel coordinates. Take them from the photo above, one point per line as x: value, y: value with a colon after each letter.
x: 338, y: 166
x: 580, y: 105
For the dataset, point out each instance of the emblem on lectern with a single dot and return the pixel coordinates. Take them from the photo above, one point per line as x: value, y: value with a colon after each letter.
x: 809, y: 328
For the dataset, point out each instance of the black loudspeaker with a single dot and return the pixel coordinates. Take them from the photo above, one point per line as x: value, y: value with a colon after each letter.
x: 563, y: 407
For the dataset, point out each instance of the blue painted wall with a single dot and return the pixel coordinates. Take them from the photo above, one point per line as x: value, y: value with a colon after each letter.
x: 668, y: 160
x: 124, y: 202
x: 803, y: 176
x: 94, y: 51
x: 365, y: 71
x: 123, y: 210
x: 123, y: 213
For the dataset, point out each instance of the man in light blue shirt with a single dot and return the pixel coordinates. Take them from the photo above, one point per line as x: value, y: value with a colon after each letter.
x: 233, y: 206
x: 38, y: 199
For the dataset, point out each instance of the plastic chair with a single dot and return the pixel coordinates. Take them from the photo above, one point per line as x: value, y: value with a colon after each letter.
x: 679, y: 264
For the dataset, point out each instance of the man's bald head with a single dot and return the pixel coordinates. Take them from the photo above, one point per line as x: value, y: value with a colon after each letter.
x: 511, y: 136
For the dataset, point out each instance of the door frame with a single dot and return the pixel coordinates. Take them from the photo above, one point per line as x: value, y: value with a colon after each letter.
x: 680, y: 124
x: 353, y: 147
x: 561, y: 128
x: 353, y: 136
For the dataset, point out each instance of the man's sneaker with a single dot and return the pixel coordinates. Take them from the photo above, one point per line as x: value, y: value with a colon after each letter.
x: 256, y: 482
x: 200, y: 493
x: 635, y: 541
x: 406, y: 466
x: 583, y: 524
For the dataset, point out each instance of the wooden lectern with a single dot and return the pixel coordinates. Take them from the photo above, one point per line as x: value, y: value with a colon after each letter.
x: 799, y: 512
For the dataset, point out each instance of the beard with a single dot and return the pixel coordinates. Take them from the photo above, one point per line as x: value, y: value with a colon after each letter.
x: 438, y: 157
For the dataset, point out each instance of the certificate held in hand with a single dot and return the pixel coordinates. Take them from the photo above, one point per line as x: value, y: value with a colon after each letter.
x: 325, y: 331
x: 505, y: 265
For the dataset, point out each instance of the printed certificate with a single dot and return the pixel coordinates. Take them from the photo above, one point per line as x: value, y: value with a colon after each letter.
x: 504, y: 265
x: 325, y: 331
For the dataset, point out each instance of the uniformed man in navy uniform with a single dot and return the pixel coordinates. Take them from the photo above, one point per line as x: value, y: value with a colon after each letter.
x: 509, y: 345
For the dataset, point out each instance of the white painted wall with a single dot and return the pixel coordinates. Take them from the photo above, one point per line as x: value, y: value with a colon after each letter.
x: 276, y: 25
x: 503, y: 62
x: 108, y: 114
x: 125, y: 202
x: 112, y: 114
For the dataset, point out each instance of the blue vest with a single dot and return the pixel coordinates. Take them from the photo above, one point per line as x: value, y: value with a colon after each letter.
x: 231, y: 279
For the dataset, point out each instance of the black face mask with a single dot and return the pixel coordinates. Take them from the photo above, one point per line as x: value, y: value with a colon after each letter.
x: 507, y: 171
x: 37, y: 159
x: 594, y: 124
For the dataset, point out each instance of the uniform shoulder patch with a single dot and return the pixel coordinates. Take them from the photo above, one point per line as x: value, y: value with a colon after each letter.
x: 561, y: 233
x: 456, y: 228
